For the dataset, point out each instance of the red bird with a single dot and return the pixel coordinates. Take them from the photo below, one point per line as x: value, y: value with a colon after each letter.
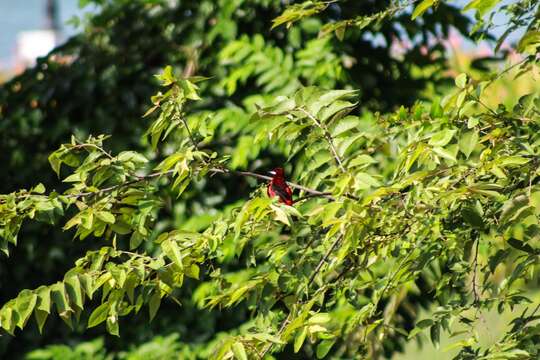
x: 278, y: 186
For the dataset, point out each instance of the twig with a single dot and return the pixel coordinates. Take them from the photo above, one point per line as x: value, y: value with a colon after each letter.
x: 82, y: 146
x: 323, y: 260
x: 314, y: 193
x: 281, y: 328
x: 493, y: 112
x: 117, y: 186
x: 309, y: 196
x: 328, y: 137
x: 184, y: 121
x: 312, y: 277
x: 499, y: 75
x: 392, y: 277
x: 344, y: 271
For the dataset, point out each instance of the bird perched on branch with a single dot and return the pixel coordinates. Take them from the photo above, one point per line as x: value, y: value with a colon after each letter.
x: 278, y: 186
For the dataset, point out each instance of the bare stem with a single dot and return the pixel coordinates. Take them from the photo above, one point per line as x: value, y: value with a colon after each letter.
x: 184, y: 121
x: 328, y: 137
x: 82, y: 146
x: 323, y: 260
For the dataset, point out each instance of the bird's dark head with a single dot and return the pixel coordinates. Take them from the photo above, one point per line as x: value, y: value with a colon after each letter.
x: 279, y: 172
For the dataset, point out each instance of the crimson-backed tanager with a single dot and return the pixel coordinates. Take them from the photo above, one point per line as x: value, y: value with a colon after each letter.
x: 278, y: 187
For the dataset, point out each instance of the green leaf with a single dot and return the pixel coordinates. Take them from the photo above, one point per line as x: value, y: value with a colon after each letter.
x: 59, y: 297
x: 267, y: 337
x: 281, y: 215
x: 361, y: 160
x: 473, y: 217
x: 512, y: 161
x: 172, y: 251
x: 520, y: 245
x: 320, y: 318
x: 239, y: 351
x: 345, y: 125
x: 296, y: 12
x: 445, y: 154
x: 76, y: 177
x: 513, y: 208
x: 526, y: 104
x: 435, y: 335
x: 324, y: 347
x: 25, y: 305
x: 299, y: 339
x: 44, y: 299
x: 39, y: 188
x: 150, y: 110
x: 167, y: 76
x: 153, y: 304
x: 106, y: 216
x: 135, y: 240
x: 74, y: 221
x: 468, y: 142
x: 482, y: 6
x: 190, y: 90
x: 461, y: 80
x: 8, y: 319
x: 99, y: 315
x: 421, y: 8
x: 112, y: 326
x: 41, y: 317
x: 499, y: 257
x: 193, y: 271
x: 73, y: 288
x: 442, y: 137
x: 529, y: 42
x: 364, y: 180
x: 87, y: 284
x: 55, y: 162
x: 423, y: 324
x: 132, y: 156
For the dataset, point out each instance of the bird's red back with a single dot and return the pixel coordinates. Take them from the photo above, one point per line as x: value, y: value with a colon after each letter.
x: 278, y: 186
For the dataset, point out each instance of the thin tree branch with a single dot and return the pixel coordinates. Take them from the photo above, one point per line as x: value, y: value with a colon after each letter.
x: 392, y: 277
x: 309, y: 196
x: 311, y: 278
x: 82, y: 146
x: 117, y: 186
x: 184, y: 121
x: 499, y: 75
x: 312, y: 192
x: 323, y: 260
x: 328, y: 137
x: 281, y: 328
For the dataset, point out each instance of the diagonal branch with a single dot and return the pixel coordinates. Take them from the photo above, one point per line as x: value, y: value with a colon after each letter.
x: 328, y: 137
x: 311, y: 278
x: 184, y: 121
x: 323, y: 260
x: 83, y: 146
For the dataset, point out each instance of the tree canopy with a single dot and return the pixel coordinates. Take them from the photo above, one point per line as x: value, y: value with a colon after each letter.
x: 406, y: 204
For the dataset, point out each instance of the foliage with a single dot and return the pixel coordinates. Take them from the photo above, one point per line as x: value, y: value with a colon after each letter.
x: 447, y: 179
x: 429, y: 204
x: 99, y: 82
